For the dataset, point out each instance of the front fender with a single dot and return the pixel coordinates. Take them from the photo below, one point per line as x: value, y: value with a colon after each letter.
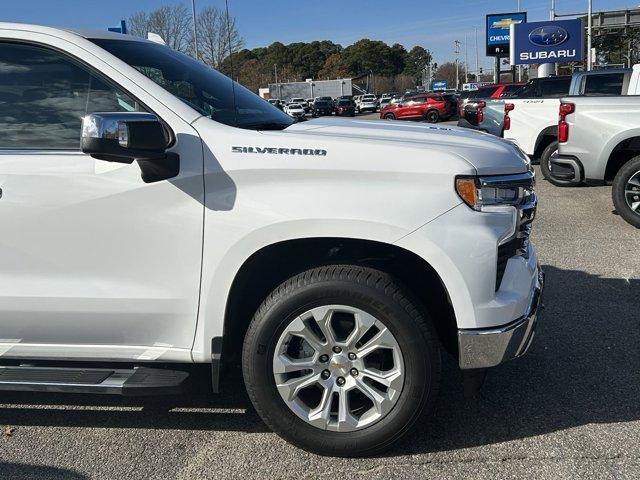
x: 222, y: 260
x: 461, y: 246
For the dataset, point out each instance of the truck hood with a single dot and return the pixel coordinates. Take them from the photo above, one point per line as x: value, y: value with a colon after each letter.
x: 488, y: 154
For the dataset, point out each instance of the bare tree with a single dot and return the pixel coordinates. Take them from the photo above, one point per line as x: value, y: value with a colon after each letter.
x: 218, y: 36
x: 172, y: 22
x: 138, y: 24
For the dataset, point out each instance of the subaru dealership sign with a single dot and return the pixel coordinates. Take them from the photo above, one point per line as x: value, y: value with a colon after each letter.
x: 547, y: 42
x: 439, y: 85
x: 498, y: 34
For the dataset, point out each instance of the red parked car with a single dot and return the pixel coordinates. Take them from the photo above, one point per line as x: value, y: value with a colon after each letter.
x: 428, y: 107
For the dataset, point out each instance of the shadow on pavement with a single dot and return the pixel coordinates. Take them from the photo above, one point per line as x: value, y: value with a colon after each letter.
x: 23, y: 471
x: 583, y: 367
x: 196, y: 409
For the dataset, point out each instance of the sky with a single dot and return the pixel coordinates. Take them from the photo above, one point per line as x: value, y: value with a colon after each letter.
x: 433, y: 25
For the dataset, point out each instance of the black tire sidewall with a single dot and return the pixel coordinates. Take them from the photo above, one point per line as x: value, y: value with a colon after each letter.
x: 544, y: 161
x: 389, y: 116
x: 432, y: 116
x: 618, y: 191
x: 420, y: 357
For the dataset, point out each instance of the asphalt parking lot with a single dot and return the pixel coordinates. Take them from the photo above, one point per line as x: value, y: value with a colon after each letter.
x: 568, y: 409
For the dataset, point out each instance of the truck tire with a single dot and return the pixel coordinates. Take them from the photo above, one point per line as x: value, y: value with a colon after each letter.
x: 545, y: 166
x: 626, y: 192
x: 432, y: 116
x: 340, y: 360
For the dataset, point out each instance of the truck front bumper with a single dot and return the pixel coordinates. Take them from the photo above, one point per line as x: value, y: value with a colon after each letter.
x: 488, y: 347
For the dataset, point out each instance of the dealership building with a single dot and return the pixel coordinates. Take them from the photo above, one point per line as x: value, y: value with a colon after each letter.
x: 309, y: 89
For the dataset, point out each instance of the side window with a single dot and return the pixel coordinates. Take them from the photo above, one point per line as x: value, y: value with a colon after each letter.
x: 44, y: 95
x: 604, y: 84
x: 555, y: 87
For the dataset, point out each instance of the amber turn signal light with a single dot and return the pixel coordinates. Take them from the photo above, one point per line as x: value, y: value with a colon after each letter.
x: 466, y: 188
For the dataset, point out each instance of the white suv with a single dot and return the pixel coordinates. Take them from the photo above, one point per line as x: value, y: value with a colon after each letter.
x: 368, y: 103
x: 164, y: 220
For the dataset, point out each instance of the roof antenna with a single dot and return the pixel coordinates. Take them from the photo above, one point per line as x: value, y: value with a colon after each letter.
x: 233, y: 85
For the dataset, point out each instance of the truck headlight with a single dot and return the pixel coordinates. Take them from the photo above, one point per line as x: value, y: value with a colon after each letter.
x: 482, y: 193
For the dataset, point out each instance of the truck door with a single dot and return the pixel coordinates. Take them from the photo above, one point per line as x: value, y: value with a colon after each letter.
x: 92, y: 259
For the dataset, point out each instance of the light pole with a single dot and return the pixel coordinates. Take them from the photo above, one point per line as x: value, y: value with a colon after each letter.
x: 477, y: 57
x: 456, y: 50
x: 466, y: 59
x: 589, y: 42
x: 195, y: 29
x: 519, y: 66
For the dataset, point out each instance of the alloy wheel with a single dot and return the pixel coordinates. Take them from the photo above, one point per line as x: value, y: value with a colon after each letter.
x: 632, y: 193
x: 338, y: 368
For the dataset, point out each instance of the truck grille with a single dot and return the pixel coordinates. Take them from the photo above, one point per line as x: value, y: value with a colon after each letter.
x: 518, y: 245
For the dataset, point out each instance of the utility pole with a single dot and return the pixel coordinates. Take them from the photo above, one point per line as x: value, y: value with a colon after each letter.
x: 195, y: 29
x: 466, y: 59
x: 477, y: 57
x: 275, y: 72
x: 519, y: 66
x: 589, y: 39
x: 456, y: 50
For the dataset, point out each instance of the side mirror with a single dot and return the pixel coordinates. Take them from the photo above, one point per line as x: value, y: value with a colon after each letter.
x: 123, y: 136
x: 127, y: 136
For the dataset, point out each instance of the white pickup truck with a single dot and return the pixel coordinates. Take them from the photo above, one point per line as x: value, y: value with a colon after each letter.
x: 155, y: 215
x: 599, y: 142
x: 533, y: 118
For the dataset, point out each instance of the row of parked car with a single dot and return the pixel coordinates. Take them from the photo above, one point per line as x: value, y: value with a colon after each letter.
x: 584, y: 128
x: 428, y: 106
x: 318, y: 107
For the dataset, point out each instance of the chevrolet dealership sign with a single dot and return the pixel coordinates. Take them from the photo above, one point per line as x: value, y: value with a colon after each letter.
x: 547, y: 42
x: 498, y: 31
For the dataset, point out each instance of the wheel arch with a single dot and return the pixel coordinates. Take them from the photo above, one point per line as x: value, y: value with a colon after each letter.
x: 545, y: 138
x: 274, y: 263
x: 621, y: 152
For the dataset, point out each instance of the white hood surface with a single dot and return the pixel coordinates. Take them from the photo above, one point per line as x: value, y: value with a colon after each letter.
x: 488, y: 154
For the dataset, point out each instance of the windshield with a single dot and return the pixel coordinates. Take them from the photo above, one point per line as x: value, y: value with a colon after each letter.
x: 322, y: 104
x: 343, y: 103
x: 201, y: 87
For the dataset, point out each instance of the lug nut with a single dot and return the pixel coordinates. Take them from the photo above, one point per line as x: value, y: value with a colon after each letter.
x: 325, y: 374
x: 340, y: 381
x: 353, y: 372
x: 324, y: 358
x: 337, y: 350
x: 352, y: 356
